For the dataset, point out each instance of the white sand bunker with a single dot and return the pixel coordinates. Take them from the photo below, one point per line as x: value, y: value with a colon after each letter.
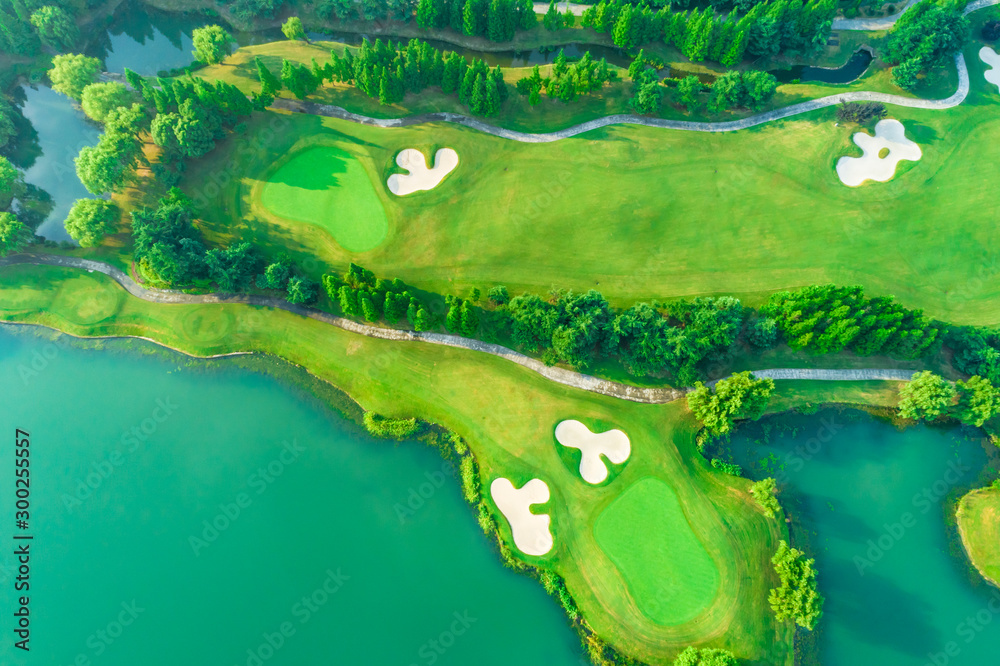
x: 889, y: 134
x: 420, y: 177
x: 531, y: 531
x: 613, y: 444
x: 990, y: 57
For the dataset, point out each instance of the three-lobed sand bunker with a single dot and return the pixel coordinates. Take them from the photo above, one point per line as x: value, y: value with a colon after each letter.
x: 420, y: 177
x: 991, y: 58
x: 613, y: 444
x: 531, y: 531
x: 889, y: 134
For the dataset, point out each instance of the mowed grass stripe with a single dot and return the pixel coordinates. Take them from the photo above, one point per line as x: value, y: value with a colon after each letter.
x: 327, y: 187
x: 670, y: 575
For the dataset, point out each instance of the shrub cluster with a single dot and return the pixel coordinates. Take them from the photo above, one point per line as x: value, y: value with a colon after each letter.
x: 796, y: 598
x: 382, y: 426
x: 860, y: 112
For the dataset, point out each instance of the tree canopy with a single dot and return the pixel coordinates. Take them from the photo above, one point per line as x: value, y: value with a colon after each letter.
x: 797, y: 598
x: 211, y: 44
x: 71, y: 73
x: 100, y: 99
x: 741, y: 396
x: 55, y: 26
x: 13, y: 234
x: 926, y: 396
x: 90, y: 220
x: 293, y: 29
x: 693, y: 656
x: 927, y: 35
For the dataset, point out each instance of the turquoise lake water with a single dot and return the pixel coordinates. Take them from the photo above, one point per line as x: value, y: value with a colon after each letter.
x: 872, y: 504
x: 318, y: 548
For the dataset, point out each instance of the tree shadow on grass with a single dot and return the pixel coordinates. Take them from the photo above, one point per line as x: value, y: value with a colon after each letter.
x: 313, y: 169
x: 919, y: 132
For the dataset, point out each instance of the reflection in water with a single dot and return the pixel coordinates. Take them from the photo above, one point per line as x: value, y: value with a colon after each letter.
x: 62, y: 131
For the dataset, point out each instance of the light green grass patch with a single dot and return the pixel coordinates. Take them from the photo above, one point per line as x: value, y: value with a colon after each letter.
x: 327, y: 187
x: 669, y: 573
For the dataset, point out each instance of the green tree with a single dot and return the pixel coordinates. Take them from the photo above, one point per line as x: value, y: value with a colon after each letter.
x: 498, y: 295
x: 56, y: 27
x: 194, y: 136
x: 11, y: 183
x: 623, y: 34
x: 926, y: 396
x: 552, y: 19
x: 269, y: 83
x: 301, y: 290
x: 90, y: 220
x: 693, y: 656
x: 100, y: 99
x: 741, y: 396
x: 211, y: 44
x: 427, y: 14
x: 688, y: 91
x: 293, y: 30
x: 13, y: 234
x: 765, y: 492
x: 71, y: 73
x: 526, y: 14
x: 275, y: 276
x: 763, y: 333
x: 796, y: 598
x: 978, y: 401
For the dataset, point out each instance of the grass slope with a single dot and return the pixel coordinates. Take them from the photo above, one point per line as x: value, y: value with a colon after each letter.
x: 979, y: 525
x: 327, y: 187
x: 510, y: 437
x: 646, y: 213
x: 669, y: 573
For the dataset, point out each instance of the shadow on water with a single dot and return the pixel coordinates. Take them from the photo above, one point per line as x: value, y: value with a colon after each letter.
x: 855, y: 66
x: 863, y: 609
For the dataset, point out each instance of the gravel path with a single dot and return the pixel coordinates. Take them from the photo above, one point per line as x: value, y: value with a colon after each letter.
x: 558, y: 375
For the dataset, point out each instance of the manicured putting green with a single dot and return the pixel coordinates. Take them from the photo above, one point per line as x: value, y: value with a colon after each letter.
x: 327, y: 187
x: 669, y: 573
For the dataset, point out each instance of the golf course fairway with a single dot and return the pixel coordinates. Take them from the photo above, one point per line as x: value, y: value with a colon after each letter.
x: 327, y: 187
x: 669, y: 573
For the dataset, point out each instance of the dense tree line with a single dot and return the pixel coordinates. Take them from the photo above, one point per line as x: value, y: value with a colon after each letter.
x: 579, y: 329
x: 827, y: 319
x: 929, y: 397
x: 764, y: 29
x: 387, y: 72
x: 360, y: 294
x: 796, y: 598
x: 924, y: 37
x: 977, y: 351
x: 567, y: 80
x: 497, y: 20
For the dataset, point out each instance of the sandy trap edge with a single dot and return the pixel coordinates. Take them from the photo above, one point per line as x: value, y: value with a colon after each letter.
x: 420, y: 178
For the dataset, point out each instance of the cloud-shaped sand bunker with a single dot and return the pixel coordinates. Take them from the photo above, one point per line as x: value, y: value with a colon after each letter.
x: 990, y: 57
x: 613, y: 444
x: 889, y: 134
x: 420, y: 177
x: 531, y: 531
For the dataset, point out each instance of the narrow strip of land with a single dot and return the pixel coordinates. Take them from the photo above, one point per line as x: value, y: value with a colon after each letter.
x: 331, y: 111
x: 558, y: 375
x: 954, y: 100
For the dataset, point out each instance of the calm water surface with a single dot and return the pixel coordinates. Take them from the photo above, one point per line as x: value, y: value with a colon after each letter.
x: 873, y: 502
x: 135, y: 459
